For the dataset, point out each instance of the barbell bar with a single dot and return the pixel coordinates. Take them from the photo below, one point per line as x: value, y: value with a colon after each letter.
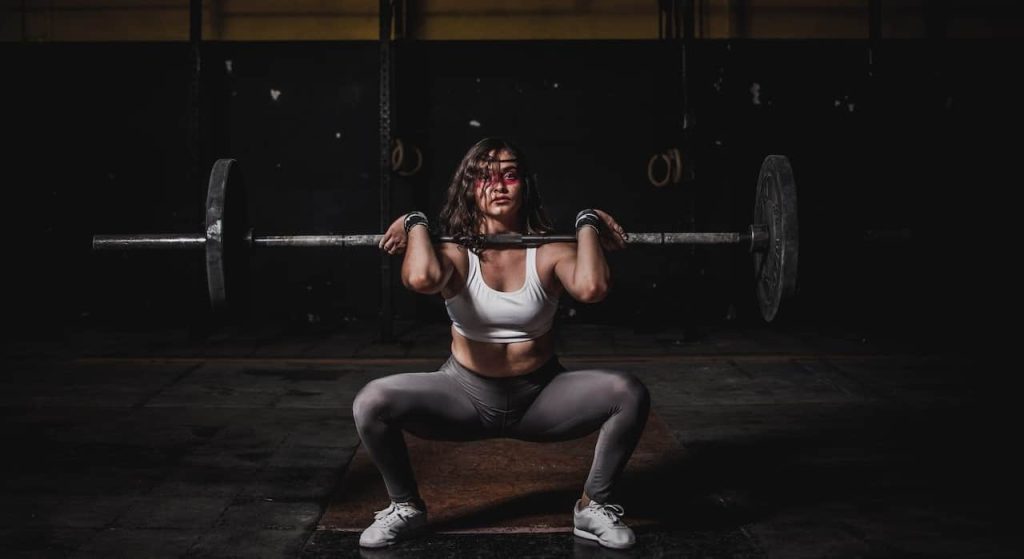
x: 757, y: 238
x: 227, y: 239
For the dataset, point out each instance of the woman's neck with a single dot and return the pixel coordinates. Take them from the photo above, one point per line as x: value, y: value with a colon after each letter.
x: 497, y: 226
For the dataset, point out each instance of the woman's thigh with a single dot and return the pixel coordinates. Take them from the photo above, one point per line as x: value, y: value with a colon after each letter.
x: 577, y: 403
x: 428, y: 405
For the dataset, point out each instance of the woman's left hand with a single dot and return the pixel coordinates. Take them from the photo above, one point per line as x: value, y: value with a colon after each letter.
x: 613, y: 236
x: 394, y: 240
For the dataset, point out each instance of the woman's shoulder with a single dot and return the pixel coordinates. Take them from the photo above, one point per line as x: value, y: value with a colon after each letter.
x: 453, y: 251
x: 553, y: 252
x: 458, y: 256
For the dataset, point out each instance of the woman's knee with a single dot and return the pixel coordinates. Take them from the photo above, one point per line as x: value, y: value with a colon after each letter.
x: 630, y: 389
x: 371, y: 402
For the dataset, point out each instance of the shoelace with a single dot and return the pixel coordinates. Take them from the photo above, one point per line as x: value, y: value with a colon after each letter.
x: 613, y: 512
x: 392, y: 508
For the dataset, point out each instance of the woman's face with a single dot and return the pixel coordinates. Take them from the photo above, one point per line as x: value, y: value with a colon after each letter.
x: 498, y: 191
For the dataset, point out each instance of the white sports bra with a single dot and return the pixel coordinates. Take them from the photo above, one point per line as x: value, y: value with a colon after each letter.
x: 486, y: 315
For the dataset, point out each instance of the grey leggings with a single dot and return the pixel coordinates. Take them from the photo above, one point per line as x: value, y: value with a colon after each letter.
x: 546, y: 405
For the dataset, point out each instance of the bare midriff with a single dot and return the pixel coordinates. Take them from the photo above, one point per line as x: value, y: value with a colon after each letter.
x: 502, y: 360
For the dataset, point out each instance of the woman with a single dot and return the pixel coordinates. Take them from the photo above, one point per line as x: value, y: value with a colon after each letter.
x: 502, y: 379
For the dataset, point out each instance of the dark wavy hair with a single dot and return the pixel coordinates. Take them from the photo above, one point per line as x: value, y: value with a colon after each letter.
x: 460, y: 217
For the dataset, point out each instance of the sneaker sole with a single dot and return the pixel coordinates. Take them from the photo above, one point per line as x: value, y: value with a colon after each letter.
x: 405, y: 536
x: 588, y: 536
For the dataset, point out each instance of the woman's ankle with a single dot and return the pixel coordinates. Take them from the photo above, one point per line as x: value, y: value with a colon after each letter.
x: 416, y: 502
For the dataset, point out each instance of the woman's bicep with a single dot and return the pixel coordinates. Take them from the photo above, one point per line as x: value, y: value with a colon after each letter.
x: 446, y: 255
x: 565, y: 269
x: 425, y: 269
x: 585, y: 284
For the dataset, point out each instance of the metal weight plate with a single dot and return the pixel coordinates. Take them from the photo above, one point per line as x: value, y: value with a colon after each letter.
x: 775, y: 268
x: 227, y: 233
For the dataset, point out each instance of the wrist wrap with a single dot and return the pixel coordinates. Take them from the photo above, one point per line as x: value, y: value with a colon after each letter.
x: 413, y: 219
x: 588, y: 218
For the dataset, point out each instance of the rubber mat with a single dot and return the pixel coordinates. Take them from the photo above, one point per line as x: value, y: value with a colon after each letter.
x: 506, y: 485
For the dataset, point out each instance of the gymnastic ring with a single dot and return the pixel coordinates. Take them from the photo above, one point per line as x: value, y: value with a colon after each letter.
x: 650, y: 170
x: 677, y: 165
x: 397, y: 154
x: 419, y: 163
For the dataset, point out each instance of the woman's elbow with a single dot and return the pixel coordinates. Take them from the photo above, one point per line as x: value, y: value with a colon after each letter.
x: 592, y: 293
x: 422, y: 283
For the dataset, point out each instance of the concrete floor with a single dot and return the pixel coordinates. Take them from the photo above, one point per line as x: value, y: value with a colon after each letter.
x: 799, y: 444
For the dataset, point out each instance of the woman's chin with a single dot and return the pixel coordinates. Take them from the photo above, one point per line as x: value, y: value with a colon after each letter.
x: 501, y: 210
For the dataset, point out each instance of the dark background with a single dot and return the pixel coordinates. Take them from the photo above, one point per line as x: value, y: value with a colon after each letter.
x: 892, y: 135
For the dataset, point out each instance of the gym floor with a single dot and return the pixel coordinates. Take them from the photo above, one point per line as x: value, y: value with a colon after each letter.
x: 797, y: 444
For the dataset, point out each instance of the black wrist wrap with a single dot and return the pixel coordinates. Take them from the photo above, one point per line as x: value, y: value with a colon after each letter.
x: 413, y: 219
x: 586, y: 218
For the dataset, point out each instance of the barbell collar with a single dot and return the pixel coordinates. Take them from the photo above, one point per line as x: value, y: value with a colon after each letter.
x: 759, y: 238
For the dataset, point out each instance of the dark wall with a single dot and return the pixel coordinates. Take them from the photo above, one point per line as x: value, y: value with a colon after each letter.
x: 892, y: 135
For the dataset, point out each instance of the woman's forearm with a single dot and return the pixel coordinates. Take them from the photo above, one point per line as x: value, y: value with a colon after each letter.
x: 421, y: 267
x: 591, y: 275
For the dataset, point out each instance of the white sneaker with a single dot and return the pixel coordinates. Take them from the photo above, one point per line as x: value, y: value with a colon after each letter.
x: 601, y: 523
x: 398, y: 521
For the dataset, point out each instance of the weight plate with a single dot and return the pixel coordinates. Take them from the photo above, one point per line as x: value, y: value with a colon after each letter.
x: 775, y: 268
x: 226, y: 233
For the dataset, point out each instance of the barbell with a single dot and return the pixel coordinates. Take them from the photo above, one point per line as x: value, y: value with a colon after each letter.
x: 227, y: 239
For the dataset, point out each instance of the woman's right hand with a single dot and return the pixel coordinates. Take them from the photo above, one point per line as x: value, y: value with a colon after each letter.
x: 393, y: 240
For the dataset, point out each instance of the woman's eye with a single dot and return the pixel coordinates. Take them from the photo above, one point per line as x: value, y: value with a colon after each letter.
x: 511, y: 177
